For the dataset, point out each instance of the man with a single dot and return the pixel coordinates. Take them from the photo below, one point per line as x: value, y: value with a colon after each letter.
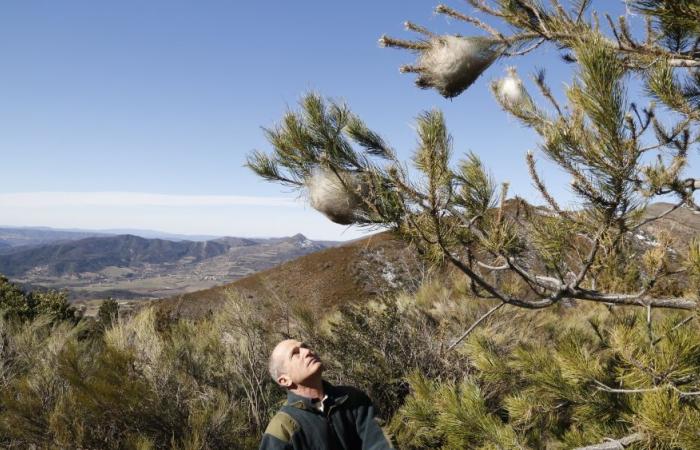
x: 318, y: 415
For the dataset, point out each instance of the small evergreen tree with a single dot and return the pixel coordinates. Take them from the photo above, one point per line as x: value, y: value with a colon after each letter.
x: 620, y: 157
x: 54, y: 304
x: 108, y: 312
x: 16, y: 304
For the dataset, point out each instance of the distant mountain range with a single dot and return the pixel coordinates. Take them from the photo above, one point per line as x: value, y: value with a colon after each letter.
x: 29, y: 236
x: 23, y: 236
x: 92, y: 265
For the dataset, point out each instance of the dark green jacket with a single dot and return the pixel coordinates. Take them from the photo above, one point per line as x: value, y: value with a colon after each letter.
x: 347, y: 423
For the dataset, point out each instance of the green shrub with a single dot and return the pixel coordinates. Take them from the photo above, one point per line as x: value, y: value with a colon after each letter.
x: 189, y: 385
x: 375, y: 346
x: 17, y: 304
x: 108, y: 312
x: 563, y: 379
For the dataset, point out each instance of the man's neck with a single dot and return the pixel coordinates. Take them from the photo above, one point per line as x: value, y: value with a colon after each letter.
x: 312, y: 388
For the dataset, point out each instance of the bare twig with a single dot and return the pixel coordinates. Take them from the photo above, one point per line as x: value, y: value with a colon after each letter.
x: 588, y: 262
x: 492, y: 268
x: 527, y: 49
x: 614, y: 30
x: 606, y: 388
x: 615, y: 444
x: 582, y: 7
x: 662, y: 215
x: 636, y: 300
x: 386, y: 41
x: 446, y: 10
x: 475, y: 324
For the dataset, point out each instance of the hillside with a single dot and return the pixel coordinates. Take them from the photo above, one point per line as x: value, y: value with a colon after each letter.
x: 325, y: 279
x: 683, y: 223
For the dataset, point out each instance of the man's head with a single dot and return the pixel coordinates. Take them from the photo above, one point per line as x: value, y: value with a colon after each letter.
x: 293, y: 363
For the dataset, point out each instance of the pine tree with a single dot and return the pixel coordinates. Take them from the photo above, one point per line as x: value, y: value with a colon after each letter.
x: 620, y: 157
x: 599, y: 139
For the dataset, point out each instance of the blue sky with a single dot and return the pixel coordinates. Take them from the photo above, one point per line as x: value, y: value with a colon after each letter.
x: 139, y: 114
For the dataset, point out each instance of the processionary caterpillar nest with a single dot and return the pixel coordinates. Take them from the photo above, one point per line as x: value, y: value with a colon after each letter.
x: 337, y: 194
x: 452, y: 63
x: 510, y: 88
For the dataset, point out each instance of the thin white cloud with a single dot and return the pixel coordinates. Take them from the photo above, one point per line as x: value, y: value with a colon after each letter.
x: 180, y: 214
x: 130, y: 199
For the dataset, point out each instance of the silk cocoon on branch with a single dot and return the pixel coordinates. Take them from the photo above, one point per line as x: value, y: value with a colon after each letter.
x: 510, y: 88
x: 337, y: 195
x: 452, y: 63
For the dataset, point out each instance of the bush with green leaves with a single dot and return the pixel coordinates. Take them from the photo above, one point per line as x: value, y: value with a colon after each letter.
x: 108, y: 312
x: 374, y: 346
x: 189, y: 385
x: 15, y: 303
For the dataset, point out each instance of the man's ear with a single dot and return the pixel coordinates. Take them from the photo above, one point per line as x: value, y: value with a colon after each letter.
x: 284, y: 380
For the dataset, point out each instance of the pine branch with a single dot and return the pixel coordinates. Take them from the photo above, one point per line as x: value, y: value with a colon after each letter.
x: 530, y: 158
x: 677, y: 326
x: 659, y: 216
x: 539, y: 79
x: 606, y: 388
x: 636, y: 300
x: 446, y: 10
x: 615, y: 444
x: 418, y: 29
x: 386, y: 41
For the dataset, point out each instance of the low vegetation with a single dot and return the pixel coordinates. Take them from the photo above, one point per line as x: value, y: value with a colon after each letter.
x: 559, y: 378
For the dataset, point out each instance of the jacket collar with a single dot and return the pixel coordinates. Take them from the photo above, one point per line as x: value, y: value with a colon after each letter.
x: 335, y: 397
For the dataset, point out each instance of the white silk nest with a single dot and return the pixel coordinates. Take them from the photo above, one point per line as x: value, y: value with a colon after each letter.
x: 453, y: 63
x: 337, y: 196
x: 510, y: 88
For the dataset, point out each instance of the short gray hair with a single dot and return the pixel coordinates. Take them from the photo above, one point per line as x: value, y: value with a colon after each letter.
x: 275, y: 366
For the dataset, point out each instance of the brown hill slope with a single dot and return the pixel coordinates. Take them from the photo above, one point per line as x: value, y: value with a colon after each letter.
x: 365, y: 268
x: 324, y: 279
x: 683, y: 223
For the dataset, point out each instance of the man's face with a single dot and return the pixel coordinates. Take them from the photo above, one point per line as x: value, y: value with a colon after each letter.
x: 299, y: 363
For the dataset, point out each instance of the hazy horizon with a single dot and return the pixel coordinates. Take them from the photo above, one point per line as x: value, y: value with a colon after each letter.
x: 158, y: 233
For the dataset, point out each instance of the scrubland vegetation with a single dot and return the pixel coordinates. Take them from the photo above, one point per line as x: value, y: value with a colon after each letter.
x: 562, y: 328
x: 559, y: 378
